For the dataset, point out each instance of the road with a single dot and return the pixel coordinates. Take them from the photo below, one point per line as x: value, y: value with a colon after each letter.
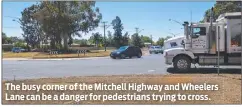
x: 29, y: 69
x: 150, y: 64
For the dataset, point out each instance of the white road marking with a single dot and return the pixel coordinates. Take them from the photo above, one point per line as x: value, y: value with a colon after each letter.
x: 151, y: 70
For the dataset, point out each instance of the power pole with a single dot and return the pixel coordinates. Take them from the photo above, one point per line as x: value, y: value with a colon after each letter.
x: 137, y: 30
x: 151, y: 39
x: 191, y: 16
x: 104, y: 31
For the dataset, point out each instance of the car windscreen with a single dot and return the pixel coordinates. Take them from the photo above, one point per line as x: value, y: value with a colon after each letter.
x: 123, y: 48
x: 158, y: 47
x: 152, y: 47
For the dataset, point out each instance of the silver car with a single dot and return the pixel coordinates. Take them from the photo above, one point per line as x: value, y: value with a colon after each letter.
x: 156, y: 49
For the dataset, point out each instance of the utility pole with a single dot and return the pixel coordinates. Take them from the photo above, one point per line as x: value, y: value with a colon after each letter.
x: 137, y: 30
x: 191, y: 16
x: 104, y: 30
x: 151, y: 39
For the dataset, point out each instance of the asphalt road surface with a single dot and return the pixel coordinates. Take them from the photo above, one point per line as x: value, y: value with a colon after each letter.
x: 150, y: 64
x: 28, y: 69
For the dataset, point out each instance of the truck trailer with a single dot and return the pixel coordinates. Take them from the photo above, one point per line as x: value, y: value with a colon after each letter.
x: 214, y: 43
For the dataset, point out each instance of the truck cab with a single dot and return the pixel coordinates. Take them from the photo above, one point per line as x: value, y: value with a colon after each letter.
x: 209, y: 43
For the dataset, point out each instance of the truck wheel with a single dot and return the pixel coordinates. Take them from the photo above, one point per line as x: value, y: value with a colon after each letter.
x: 182, y: 63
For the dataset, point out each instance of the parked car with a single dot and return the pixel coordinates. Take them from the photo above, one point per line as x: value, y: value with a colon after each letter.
x: 126, y: 51
x: 18, y: 49
x: 156, y: 49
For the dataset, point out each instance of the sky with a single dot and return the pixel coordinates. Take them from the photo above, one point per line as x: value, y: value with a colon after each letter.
x: 152, y: 17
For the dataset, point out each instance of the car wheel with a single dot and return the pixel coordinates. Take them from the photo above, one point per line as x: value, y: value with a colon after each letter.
x: 130, y: 56
x: 139, y: 55
x: 122, y: 56
x: 182, y: 63
x: 113, y: 57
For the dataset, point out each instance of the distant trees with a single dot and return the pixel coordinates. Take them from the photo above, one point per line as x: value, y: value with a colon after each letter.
x: 160, y: 41
x: 126, y: 39
x: 146, y: 39
x: 10, y: 40
x: 137, y: 41
x: 96, y: 38
x: 82, y: 42
x: 5, y: 39
x: 110, y: 41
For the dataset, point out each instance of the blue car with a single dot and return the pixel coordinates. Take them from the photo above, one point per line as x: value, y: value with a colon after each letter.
x: 126, y: 51
x: 17, y: 49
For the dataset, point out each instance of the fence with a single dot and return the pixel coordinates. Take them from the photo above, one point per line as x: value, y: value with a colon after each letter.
x: 81, y: 51
x: 53, y: 52
x: 78, y: 52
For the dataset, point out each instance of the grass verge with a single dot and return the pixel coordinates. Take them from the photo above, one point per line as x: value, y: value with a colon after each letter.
x: 41, y: 55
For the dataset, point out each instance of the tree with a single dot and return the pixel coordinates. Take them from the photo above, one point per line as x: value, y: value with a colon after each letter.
x: 83, y: 42
x: 70, y: 40
x: 4, y: 38
x: 126, y: 39
x: 96, y: 38
x: 146, y: 39
x: 118, y: 27
x: 137, y: 41
x: 10, y: 40
x: 16, y: 39
x: 30, y: 26
x: 160, y: 41
x: 110, y: 39
x: 222, y: 7
x: 65, y: 18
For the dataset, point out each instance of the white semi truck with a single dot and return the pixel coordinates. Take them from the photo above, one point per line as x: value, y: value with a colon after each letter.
x: 205, y: 46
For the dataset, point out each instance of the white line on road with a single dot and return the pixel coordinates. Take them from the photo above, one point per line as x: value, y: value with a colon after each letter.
x: 151, y: 70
